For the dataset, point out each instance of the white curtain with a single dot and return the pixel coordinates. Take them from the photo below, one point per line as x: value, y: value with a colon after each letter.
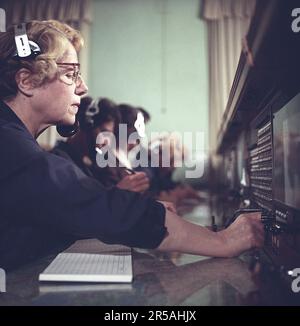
x: 77, y: 13
x: 227, y: 24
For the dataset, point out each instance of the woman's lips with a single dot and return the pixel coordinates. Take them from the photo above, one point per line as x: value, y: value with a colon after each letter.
x: 73, y: 109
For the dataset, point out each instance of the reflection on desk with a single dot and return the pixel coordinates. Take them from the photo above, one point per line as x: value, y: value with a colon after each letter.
x: 79, y: 287
x: 159, y: 279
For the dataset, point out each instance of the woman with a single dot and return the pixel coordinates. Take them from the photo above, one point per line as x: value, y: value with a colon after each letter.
x: 46, y: 201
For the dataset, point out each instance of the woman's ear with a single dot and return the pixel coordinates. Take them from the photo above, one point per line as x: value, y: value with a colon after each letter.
x: 24, y: 83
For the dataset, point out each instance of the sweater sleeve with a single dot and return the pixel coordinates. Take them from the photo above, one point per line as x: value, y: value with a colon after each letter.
x: 60, y: 196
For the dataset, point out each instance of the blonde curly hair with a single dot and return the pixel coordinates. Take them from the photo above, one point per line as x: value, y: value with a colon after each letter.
x: 53, y: 38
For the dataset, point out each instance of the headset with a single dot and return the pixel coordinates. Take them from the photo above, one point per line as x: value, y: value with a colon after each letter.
x: 88, y: 121
x: 27, y: 49
x: 68, y: 130
x: 24, y: 47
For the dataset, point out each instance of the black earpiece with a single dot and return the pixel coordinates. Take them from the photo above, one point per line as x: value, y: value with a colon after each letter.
x: 66, y: 130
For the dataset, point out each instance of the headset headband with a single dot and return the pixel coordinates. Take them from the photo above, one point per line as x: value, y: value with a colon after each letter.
x: 92, y: 110
x: 24, y: 47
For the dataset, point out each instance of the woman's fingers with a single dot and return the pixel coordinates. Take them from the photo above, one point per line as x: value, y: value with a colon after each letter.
x: 137, y: 182
x: 246, y: 232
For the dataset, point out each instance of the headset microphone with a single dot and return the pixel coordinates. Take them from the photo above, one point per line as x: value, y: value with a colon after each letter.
x: 66, y: 130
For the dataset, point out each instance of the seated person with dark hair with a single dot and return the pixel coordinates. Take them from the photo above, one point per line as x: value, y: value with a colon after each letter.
x: 95, y: 117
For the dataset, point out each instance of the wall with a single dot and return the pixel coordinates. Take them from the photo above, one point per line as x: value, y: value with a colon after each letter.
x: 152, y: 53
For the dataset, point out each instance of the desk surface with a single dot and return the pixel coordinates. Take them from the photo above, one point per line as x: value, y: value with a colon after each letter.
x: 159, y: 279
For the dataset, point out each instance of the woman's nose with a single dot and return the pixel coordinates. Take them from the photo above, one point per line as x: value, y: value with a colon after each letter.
x: 82, y: 89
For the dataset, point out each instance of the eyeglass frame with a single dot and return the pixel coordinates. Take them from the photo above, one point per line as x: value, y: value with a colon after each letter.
x: 76, y: 76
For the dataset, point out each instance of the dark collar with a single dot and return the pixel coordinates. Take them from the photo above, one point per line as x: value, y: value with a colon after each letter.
x: 6, y: 113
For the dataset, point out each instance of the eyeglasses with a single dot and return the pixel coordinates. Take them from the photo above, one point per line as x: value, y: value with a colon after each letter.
x: 72, y: 76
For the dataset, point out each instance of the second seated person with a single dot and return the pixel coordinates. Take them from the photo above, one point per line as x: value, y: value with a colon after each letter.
x: 98, y: 116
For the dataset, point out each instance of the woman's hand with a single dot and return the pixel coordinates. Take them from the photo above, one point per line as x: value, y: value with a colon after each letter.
x: 138, y: 182
x: 246, y: 232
